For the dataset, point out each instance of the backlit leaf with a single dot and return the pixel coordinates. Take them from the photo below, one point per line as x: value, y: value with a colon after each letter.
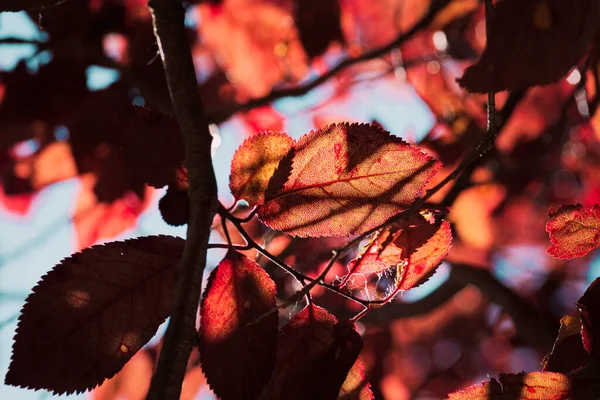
x: 254, y: 164
x: 88, y: 316
x: 533, y: 42
x: 574, y: 231
x: 347, y: 179
x: 531, y: 386
x: 416, y: 245
x: 588, y: 304
x: 153, y: 146
x: 356, y: 386
x: 315, y: 352
x: 238, y: 359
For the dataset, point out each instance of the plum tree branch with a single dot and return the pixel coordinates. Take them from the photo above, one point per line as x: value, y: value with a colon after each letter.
x: 169, y: 29
x: 221, y: 116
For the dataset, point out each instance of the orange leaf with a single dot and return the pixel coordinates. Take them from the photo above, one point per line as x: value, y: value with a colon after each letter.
x: 532, y: 43
x: 356, y: 386
x: 88, y: 316
x: 347, y: 179
x: 414, y: 247
x: 531, y: 386
x: 315, y: 352
x: 254, y: 164
x: 574, y: 231
x: 238, y: 358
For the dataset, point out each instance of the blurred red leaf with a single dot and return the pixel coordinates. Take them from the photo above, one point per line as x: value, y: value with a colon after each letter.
x: 153, y: 145
x: 318, y: 24
x: 574, y: 231
x: 416, y: 245
x: 254, y: 164
x: 568, y: 352
x: 88, y: 316
x: 315, y: 352
x: 590, y: 318
x: 238, y: 358
x: 347, y: 179
x: 531, y: 386
x: 532, y: 43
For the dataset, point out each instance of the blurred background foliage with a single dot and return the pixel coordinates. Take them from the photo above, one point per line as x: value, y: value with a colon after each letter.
x: 67, y: 74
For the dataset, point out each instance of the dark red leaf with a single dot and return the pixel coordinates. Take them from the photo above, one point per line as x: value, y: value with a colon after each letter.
x: 347, y: 179
x: 574, y: 231
x: 533, y: 42
x: 589, y: 304
x: 254, y: 164
x: 315, y: 352
x: 153, y: 145
x: 318, y: 24
x: 414, y: 247
x: 531, y: 386
x: 238, y: 358
x: 174, y: 207
x: 88, y: 316
x: 568, y: 353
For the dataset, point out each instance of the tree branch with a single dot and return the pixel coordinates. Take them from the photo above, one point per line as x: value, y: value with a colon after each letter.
x: 530, y: 324
x: 168, y: 19
x: 224, y: 115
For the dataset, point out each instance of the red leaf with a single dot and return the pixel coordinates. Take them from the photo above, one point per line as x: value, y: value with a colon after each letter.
x: 532, y: 43
x: 315, y: 352
x: 416, y: 245
x: 574, y: 231
x: 153, y: 146
x: 590, y: 318
x: 531, y: 386
x: 347, y: 179
x: 88, y: 316
x: 238, y: 359
x: 254, y: 164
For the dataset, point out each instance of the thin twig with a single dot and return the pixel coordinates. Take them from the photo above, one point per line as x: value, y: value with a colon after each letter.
x: 224, y: 115
x: 169, y: 29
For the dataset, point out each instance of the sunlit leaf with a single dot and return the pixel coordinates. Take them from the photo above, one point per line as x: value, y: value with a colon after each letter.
x: 588, y: 304
x: 531, y: 386
x: 236, y: 357
x: 88, y: 316
x: 254, y: 164
x: 574, y: 231
x: 532, y: 43
x: 414, y: 247
x: 356, y: 386
x: 153, y: 145
x: 568, y: 352
x: 347, y: 179
x: 315, y: 352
